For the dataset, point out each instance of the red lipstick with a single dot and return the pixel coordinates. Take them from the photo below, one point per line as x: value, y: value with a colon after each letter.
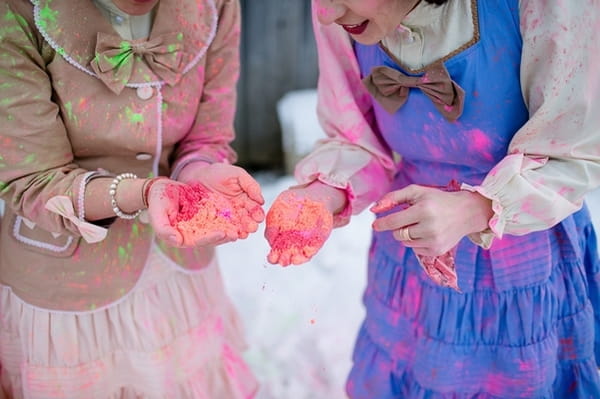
x: 356, y: 29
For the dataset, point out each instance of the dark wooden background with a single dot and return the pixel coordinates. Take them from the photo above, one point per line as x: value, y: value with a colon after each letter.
x: 278, y: 55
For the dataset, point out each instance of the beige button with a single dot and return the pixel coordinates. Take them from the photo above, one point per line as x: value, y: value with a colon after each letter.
x: 143, y: 156
x: 145, y: 92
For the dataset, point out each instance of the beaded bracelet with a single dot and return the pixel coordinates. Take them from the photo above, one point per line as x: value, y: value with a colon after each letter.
x: 81, y: 195
x: 112, y: 191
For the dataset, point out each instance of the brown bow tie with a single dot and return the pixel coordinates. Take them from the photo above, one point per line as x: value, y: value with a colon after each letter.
x: 391, y: 87
x: 115, y: 58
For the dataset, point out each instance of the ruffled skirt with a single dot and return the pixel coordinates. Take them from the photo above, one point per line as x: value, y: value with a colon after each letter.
x: 176, y: 335
x: 524, y: 326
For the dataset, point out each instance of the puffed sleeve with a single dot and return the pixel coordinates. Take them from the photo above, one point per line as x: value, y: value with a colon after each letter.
x: 212, y: 132
x: 352, y: 157
x: 36, y: 159
x: 554, y: 159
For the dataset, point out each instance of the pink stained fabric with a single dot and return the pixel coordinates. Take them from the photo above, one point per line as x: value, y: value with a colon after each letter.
x: 189, y: 349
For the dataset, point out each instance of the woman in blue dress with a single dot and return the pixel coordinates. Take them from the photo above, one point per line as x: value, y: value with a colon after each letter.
x: 475, y: 127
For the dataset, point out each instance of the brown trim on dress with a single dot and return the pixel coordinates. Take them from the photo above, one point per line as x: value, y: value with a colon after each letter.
x: 470, y: 43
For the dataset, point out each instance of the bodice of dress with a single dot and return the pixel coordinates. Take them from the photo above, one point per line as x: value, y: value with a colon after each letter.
x: 434, y: 150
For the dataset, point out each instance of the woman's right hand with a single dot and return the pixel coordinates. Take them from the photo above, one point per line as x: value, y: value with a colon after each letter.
x: 300, y: 221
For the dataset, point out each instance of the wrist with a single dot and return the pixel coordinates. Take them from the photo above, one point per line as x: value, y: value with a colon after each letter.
x: 481, y: 211
x: 147, y: 188
x: 189, y: 172
x: 333, y: 198
x: 129, y: 195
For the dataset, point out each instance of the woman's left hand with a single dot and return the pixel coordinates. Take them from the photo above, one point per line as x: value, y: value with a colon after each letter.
x: 235, y: 184
x: 433, y: 221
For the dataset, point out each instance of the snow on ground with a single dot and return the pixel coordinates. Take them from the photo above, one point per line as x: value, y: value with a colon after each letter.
x: 301, y: 321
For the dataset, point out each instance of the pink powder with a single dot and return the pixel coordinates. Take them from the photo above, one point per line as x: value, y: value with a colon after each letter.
x: 202, y: 213
x: 303, y: 226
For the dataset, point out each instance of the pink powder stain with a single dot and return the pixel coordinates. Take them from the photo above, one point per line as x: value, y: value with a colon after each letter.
x: 303, y: 227
x: 202, y: 213
x: 528, y: 207
x: 526, y: 366
x: 481, y: 143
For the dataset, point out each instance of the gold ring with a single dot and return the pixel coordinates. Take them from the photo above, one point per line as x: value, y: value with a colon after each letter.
x: 405, y: 234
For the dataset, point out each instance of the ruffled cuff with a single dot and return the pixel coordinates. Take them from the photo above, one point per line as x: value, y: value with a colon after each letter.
x: 335, y: 166
x: 341, y: 218
x: 494, y: 187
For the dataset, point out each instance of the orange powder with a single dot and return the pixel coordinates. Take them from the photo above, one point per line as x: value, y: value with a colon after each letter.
x: 202, y: 213
x: 303, y: 226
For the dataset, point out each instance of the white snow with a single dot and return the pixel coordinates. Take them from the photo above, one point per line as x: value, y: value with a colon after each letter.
x: 300, y: 321
x: 300, y: 129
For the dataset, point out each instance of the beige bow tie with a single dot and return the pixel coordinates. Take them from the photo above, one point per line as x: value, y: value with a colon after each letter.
x: 115, y: 58
x: 391, y: 87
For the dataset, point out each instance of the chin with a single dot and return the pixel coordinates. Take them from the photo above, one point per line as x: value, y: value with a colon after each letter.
x: 367, y: 40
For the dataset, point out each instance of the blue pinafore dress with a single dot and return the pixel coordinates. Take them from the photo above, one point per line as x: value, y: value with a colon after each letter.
x: 523, y: 325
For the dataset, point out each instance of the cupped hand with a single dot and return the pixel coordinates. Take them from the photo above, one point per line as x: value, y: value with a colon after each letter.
x: 234, y: 184
x: 298, y: 224
x: 164, y: 206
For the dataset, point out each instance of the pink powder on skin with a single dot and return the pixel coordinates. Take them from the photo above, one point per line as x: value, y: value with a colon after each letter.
x: 303, y: 227
x: 202, y: 213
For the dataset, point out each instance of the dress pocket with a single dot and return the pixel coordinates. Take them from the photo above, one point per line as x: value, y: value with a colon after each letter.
x: 39, y: 240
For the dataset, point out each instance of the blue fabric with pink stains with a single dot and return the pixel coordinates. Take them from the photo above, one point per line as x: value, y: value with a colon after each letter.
x: 524, y: 325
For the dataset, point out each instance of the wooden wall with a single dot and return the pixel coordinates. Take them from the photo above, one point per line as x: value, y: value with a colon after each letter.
x: 278, y: 55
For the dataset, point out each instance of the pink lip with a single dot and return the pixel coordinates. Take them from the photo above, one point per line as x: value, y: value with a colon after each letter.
x: 143, y: 1
x: 356, y: 29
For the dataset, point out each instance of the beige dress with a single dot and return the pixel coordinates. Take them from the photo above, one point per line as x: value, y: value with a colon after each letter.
x: 175, y: 335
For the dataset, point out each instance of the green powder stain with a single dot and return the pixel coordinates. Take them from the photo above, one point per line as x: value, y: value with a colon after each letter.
x: 135, y: 230
x: 10, y: 117
x: 3, y: 185
x: 177, y: 256
x: 180, y: 36
x: 134, y: 117
x: 122, y: 253
x: 171, y: 48
x: 11, y: 16
x: 69, y: 107
x: 48, y: 179
x: 122, y: 57
x: 29, y: 159
x: 47, y: 16
x: 93, y: 306
x: 164, y: 107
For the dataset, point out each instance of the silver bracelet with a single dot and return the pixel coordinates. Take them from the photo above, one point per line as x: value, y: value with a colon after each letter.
x: 112, y: 191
